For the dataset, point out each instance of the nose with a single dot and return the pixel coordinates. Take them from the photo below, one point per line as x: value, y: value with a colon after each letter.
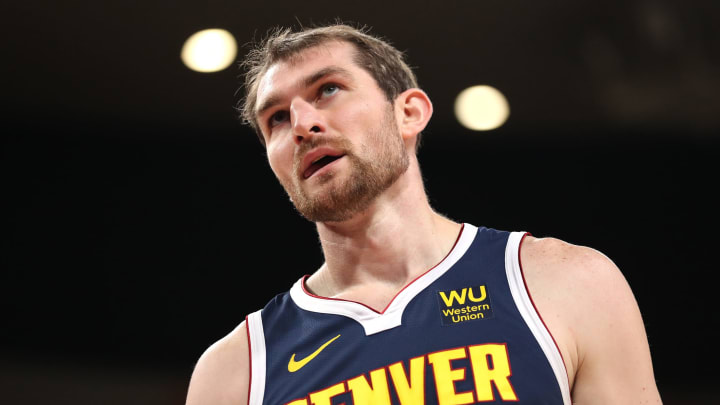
x: 306, y: 120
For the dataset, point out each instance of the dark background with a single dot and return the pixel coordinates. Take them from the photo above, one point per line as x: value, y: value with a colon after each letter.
x: 141, y: 221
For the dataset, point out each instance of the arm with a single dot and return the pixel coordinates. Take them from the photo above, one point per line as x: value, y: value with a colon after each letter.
x: 221, y: 376
x: 591, y: 311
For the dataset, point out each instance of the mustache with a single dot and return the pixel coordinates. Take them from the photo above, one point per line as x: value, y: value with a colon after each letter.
x: 340, y: 144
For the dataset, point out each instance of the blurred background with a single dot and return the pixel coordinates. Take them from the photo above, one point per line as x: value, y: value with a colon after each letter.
x: 141, y: 222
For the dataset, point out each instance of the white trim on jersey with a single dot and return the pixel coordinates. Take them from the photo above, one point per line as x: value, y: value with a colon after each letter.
x: 256, y: 335
x: 372, y: 321
x: 530, y: 315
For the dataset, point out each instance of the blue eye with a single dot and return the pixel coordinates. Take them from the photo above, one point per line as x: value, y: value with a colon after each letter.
x: 329, y: 90
x: 278, y: 117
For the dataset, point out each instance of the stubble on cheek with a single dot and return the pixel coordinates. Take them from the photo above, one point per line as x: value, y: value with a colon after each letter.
x: 337, y: 198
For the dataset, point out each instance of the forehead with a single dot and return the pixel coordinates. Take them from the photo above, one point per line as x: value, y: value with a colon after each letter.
x: 287, y: 73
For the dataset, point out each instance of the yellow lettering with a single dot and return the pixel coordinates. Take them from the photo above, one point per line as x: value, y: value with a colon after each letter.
x: 490, y: 365
x: 364, y: 394
x: 453, y: 296
x: 483, y: 295
x: 412, y: 392
x: 498, y: 374
x: 324, y: 397
x: 445, y: 377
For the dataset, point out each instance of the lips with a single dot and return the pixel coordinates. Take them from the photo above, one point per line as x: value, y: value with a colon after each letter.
x: 317, y: 159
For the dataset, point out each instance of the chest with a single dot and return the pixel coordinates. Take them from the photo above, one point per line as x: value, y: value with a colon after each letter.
x: 455, y: 343
x: 464, y: 332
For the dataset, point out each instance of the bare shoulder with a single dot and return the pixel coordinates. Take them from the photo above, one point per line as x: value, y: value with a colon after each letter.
x: 591, y: 311
x: 558, y: 254
x: 572, y: 269
x: 221, y: 375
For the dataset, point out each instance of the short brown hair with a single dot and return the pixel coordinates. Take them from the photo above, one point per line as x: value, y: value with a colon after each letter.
x: 381, y: 60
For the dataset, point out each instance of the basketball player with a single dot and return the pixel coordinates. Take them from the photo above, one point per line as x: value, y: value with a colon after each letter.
x: 410, y: 307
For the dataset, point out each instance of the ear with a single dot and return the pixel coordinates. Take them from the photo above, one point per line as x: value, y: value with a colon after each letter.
x: 414, y: 109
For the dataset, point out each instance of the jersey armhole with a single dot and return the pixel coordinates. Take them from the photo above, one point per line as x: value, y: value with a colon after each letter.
x: 256, y: 343
x: 529, y: 312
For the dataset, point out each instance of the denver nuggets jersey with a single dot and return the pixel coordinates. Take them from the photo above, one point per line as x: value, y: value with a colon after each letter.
x: 464, y: 332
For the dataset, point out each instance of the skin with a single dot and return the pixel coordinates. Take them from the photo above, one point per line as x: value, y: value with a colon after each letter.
x: 581, y: 295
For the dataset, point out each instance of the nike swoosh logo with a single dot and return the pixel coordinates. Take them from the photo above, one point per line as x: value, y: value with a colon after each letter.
x: 294, y: 366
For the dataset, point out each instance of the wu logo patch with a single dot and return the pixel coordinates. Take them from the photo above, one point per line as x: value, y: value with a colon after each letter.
x: 466, y: 304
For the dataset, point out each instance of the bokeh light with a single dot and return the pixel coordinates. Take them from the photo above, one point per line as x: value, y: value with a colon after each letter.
x: 209, y: 50
x: 481, y: 108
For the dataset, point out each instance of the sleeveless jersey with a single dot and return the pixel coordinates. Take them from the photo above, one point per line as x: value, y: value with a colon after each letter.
x: 464, y: 332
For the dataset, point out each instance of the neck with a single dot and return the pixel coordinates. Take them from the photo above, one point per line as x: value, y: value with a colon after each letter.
x: 382, y: 249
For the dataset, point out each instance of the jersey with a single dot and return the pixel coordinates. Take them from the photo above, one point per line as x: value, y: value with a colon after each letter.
x: 466, y: 331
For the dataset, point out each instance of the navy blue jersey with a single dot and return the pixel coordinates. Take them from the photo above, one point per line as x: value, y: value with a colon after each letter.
x: 464, y: 332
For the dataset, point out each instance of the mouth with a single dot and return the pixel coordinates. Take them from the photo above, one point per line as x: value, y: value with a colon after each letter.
x: 319, y: 163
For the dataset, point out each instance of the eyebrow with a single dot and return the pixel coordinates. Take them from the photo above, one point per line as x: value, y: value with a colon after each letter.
x: 305, y: 82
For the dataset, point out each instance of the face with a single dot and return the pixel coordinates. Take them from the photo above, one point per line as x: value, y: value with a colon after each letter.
x: 331, y: 135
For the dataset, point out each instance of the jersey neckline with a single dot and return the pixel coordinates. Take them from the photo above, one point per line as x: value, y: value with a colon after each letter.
x: 371, y: 320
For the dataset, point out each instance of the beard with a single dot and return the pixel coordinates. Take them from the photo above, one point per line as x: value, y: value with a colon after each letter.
x: 381, y: 161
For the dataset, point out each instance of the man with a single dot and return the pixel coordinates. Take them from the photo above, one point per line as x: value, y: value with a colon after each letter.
x: 409, y: 307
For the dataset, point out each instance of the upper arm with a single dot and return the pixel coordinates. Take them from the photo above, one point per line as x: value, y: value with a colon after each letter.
x: 590, y: 309
x: 221, y: 375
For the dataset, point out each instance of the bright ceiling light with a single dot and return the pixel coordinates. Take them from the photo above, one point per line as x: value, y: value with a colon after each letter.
x: 481, y: 108
x: 209, y: 50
